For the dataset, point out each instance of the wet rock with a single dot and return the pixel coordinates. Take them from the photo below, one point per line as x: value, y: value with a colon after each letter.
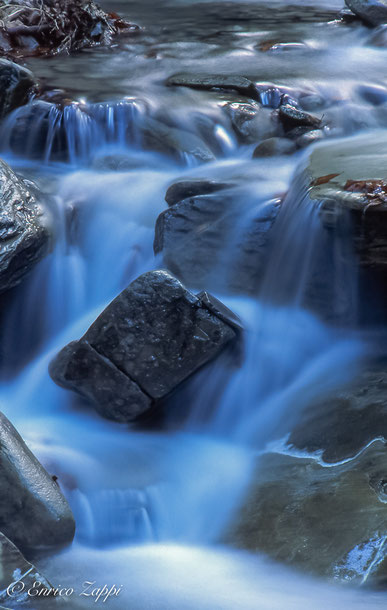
x: 310, y: 137
x: 32, y: 27
x: 251, y: 122
x: 80, y: 367
x: 35, y: 131
x: 342, y: 425
x: 191, y: 236
x: 312, y: 102
x: 150, y: 339
x: 16, y: 86
x: 274, y: 146
x: 15, y: 568
x: 273, y: 96
x: 208, y: 82
x: 328, y: 521
x: 24, y: 233
x: 372, y: 12
x: 192, y: 188
x: 33, y: 512
x: 292, y: 117
x: 350, y: 180
x: 174, y: 142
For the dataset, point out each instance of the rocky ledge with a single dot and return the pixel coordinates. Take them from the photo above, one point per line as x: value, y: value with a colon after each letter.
x: 347, y: 180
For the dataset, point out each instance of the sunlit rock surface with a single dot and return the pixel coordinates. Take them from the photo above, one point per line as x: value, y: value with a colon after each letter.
x: 33, y: 512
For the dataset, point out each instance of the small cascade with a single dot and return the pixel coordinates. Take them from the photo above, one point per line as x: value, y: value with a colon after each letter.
x: 108, y: 517
x: 73, y: 133
x: 291, y: 356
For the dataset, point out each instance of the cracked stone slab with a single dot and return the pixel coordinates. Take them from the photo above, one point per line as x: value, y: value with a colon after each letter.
x: 148, y: 341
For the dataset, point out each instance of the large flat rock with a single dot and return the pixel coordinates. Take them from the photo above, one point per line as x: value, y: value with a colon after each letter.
x: 327, y: 520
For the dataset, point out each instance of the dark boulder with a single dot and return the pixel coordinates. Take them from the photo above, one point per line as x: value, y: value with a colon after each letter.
x: 32, y: 27
x: 150, y: 339
x: 16, y: 86
x: 193, y: 234
x: 208, y: 82
x: 33, y: 512
x: 24, y: 234
x: 372, y: 12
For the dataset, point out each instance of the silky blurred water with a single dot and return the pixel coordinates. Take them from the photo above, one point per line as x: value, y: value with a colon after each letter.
x: 151, y: 506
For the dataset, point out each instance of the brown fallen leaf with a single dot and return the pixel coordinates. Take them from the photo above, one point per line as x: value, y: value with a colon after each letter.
x: 324, y: 179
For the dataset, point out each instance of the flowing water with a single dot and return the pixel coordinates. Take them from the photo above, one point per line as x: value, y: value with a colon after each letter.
x: 151, y: 507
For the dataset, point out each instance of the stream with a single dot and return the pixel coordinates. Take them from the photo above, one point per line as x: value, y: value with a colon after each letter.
x: 151, y: 506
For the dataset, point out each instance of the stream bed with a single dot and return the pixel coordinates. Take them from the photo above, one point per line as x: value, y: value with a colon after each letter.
x: 154, y: 506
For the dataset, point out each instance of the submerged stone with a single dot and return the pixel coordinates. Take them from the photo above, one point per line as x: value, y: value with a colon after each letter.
x: 24, y: 233
x: 150, y: 339
x: 372, y: 12
x: 33, y: 512
x: 340, y: 426
x: 175, y: 142
x: 316, y: 517
x: 274, y: 146
x: 16, y: 86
